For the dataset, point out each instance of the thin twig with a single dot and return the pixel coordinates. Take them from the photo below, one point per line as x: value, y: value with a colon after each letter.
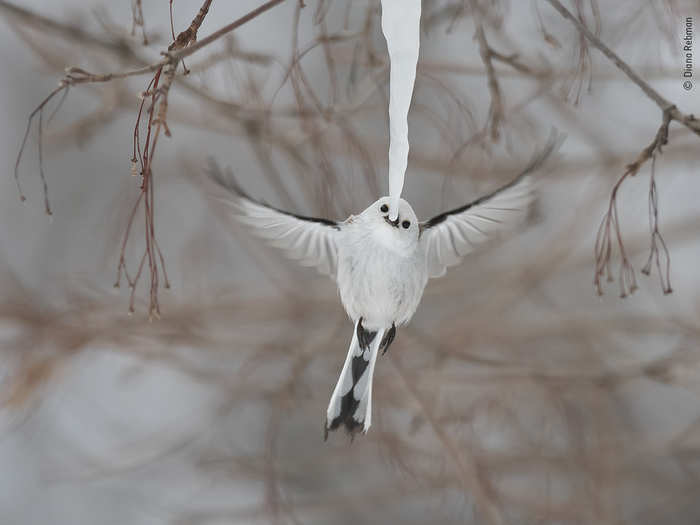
x: 496, y: 109
x: 185, y: 52
x: 603, y: 244
x: 656, y: 237
x: 38, y: 110
x: 138, y: 21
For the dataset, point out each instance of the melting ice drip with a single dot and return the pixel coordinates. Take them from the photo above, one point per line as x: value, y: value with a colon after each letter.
x: 401, y: 28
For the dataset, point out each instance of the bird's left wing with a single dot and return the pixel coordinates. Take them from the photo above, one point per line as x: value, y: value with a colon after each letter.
x: 309, y: 240
x: 447, y: 237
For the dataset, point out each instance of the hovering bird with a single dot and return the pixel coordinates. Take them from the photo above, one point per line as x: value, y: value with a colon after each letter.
x: 381, y: 266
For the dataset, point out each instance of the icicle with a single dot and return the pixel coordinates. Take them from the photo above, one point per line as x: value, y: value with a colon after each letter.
x: 401, y: 28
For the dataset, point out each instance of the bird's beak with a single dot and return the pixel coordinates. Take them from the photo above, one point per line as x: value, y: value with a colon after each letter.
x: 395, y: 223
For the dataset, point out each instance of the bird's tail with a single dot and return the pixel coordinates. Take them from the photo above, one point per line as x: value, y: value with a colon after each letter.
x: 351, y: 401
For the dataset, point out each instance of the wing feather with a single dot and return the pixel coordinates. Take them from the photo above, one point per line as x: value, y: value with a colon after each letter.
x: 448, y: 237
x: 309, y: 240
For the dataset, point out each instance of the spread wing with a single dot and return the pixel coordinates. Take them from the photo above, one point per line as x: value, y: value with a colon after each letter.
x: 309, y: 240
x: 447, y: 237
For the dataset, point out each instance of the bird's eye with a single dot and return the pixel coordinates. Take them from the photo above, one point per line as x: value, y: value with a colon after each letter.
x: 384, y: 208
x: 406, y: 224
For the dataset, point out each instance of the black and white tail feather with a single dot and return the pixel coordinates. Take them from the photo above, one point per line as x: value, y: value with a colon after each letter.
x: 437, y: 244
x: 351, y: 402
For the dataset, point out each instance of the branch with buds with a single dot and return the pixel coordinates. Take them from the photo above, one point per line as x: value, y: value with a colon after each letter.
x: 156, y: 95
x: 611, y: 223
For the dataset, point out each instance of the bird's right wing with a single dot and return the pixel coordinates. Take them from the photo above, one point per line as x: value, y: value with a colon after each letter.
x: 309, y: 240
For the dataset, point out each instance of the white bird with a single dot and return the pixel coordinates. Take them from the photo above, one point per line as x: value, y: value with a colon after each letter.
x: 381, y: 266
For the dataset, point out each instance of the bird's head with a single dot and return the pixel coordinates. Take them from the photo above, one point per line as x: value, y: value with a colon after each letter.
x: 400, y: 234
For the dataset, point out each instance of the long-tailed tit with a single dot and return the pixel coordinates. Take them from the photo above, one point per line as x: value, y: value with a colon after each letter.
x: 381, y: 266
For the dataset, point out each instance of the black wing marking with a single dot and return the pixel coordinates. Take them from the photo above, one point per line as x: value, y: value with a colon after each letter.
x: 310, y: 240
x: 449, y: 236
x: 534, y: 165
x: 228, y: 181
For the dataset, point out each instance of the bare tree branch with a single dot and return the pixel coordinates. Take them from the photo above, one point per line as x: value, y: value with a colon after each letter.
x: 603, y: 245
x: 688, y: 121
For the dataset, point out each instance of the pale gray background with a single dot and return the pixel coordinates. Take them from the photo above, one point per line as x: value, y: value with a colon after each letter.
x: 141, y: 424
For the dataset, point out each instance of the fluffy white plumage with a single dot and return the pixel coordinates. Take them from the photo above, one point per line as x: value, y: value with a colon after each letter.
x: 381, y: 266
x: 311, y: 242
x: 452, y: 235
